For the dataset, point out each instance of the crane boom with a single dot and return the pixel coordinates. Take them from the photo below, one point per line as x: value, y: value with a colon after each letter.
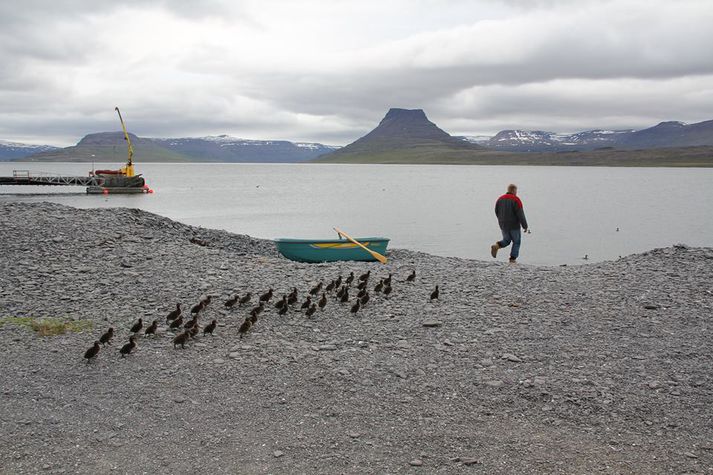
x: 129, y: 168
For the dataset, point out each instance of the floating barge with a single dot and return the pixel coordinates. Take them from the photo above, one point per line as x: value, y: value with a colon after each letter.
x: 330, y: 250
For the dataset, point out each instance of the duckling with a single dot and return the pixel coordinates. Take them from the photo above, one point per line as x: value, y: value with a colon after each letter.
x: 387, y: 281
x: 411, y: 277
x: 379, y: 286
x: 362, y: 285
x: 151, y: 329
x: 194, y: 330
x: 306, y: 303
x: 281, y: 303
x: 191, y: 323
x: 434, y: 294
x: 364, y: 299
x: 198, y: 307
x: 350, y: 279
x: 106, y: 337
x: 176, y: 323
x: 366, y: 276
x: 316, y: 289
x: 245, y: 299
x: 340, y: 292
x: 174, y: 313
x: 387, y: 291
x: 345, y: 296
x: 292, y: 298
x: 338, y: 282
x: 92, y: 352
x: 245, y: 327
x: 206, y: 301
x: 330, y: 286
x: 210, y: 328
x: 181, y: 339
x: 231, y: 301
x: 253, y: 318
x: 361, y: 293
x: 311, y: 310
x: 323, y: 301
x: 356, y: 306
x: 137, y: 326
x: 266, y: 296
x: 129, y: 347
x: 258, y: 310
x: 283, y: 310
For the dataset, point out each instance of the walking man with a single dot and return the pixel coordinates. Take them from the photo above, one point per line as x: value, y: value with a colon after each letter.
x: 511, y: 217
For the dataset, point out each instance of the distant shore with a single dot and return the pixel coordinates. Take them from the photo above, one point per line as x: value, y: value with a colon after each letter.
x: 602, y: 367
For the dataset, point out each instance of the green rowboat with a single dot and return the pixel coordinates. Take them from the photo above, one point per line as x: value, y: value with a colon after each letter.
x: 330, y: 250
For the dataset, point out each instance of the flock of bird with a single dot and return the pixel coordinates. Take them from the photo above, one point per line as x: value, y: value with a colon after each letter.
x: 317, y: 299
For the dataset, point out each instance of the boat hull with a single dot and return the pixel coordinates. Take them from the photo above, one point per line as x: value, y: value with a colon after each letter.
x: 330, y: 250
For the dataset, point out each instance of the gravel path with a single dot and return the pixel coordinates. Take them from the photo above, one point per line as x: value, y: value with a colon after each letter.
x: 598, y: 368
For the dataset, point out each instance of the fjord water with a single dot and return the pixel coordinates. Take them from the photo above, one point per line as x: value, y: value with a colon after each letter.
x: 443, y: 210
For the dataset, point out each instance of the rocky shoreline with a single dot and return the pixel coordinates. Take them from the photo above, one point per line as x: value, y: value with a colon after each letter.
x: 516, y: 369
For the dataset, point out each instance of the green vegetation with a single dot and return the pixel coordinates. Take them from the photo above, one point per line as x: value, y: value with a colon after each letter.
x: 443, y: 155
x: 108, y: 153
x: 48, y: 326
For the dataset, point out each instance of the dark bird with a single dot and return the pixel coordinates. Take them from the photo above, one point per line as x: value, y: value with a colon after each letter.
x: 434, y: 294
x: 231, y: 301
x: 345, y: 296
x: 266, y: 296
x: 356, y: 306
x: 306, y: 303
x: 206, y: 301
x: 137, y: 326
x: 350, y: 279
x: 364, y: 299
x: 387, y: 281
x: 379, y: 286
x: 311, y: 310
x: 411, y: 277
x: 92, y: 352
x: 181, y: 339
x: 366, y: 276
x: 106, y: 337
x: 362, y: 285
x: 253, y: 318
x: 330, y: 286
x: 361, y: 293
x: 281, y: 303
x: 210, y: 328
x: 176, y: 323
x: 245, y: 327
x: 292, y: 298
x: 128, y: 348
x: 338, y: 282
x: 258, y: 310
x: 194, y: 330
x: 341, y: 291
x: 245, y: 299
x: 283, y: 310
x: 387, y: 291
x: 198, y: 307
x: 151, y: 329
x: 316, y: 289
x: 191, y: 323
x: 174, y: 313
x: 323, y: 301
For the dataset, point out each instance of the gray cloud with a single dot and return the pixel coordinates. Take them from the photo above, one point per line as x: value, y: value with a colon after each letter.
x: 310, y: 70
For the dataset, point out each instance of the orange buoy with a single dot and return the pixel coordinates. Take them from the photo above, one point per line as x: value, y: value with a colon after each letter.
x: 105, y: 191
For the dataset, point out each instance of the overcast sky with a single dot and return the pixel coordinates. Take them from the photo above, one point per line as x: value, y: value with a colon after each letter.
x: 328, y: 70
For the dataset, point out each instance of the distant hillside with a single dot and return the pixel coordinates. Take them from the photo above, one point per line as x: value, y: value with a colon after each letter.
x: 223, y: 148
x: 401, y: 130
x: 15, y: 150
x: 663, y: 135
x: 111, y: 147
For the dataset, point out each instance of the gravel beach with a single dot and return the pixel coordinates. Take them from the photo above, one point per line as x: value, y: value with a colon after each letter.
x: 600, y: 368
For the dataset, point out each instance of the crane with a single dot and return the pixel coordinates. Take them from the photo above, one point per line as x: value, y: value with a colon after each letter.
x: 128, y: 170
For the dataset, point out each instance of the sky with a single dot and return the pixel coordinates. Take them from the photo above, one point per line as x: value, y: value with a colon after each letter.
x: 327, y: 71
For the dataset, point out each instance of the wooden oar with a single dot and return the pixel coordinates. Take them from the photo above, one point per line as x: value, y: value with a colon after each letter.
x: 376, y: 255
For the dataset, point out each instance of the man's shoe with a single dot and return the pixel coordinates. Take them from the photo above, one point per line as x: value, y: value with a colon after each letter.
x: 494, y: 250
x: 513, y: 260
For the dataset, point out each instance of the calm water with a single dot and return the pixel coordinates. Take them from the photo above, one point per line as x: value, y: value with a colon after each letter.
x: 444, y: 210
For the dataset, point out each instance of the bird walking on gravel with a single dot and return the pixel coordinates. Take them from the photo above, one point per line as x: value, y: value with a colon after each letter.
x: 330, y: 286
x: 210, y: 328
x: 176, y: 323
x: 245, y: 299
x: 172, y: 315
x: 435, y: 294
x: 292, y: 298
x: 258, y: 310
x: 151, y: 329
x: 350, y: 279
x: 316, y: 289
x: 266, y: 296
x: 387, y: 281
x: 338, y: 282
x: 92, y: 352
x: 366, y: 276
x: 361, y: 293
x: 364, y: 299
x: 253, y: 318
x: 379, y: 286
x: 245, y: 327
x: 311, y: 310
x: 281, y: 303
x: 306, y: 303
x: 181, y: 339
x: 355, y: 308
x: 283, y: 310
x: 107, y: 336
x: 340, y: 292
x: 129, y: 347
x: 191, y: 323
x: 387, y: 291
x: 345, y: 296
x: 230, y: 303
x: 197, y: 308
x: 411, y: 277
x: 193, y: 331
x: 137, y: 326
x: 323, y: 301
x: 362, y: 285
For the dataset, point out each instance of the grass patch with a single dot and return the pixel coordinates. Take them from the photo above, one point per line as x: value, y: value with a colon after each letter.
x: 48, y: 326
